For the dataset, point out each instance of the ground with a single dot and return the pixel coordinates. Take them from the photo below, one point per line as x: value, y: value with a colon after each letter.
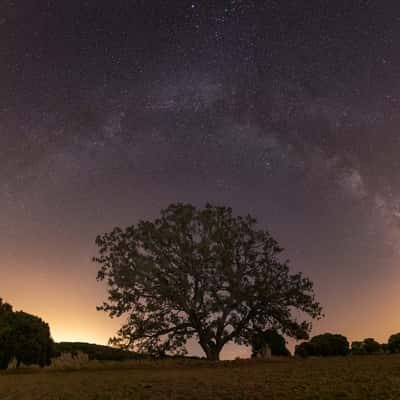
x: 368, y: 377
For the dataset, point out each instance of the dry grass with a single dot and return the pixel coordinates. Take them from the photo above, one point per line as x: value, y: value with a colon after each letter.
x: 375, y: 377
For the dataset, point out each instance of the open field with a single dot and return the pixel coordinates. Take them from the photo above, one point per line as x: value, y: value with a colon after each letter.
x: 369, y: 377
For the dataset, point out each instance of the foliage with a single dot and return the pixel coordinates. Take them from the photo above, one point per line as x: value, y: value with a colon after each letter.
x: 324, y: 345
x: 31, y: 340
x: 358, y: 348
x: 304, y: 349
x: 371, y: 346
x: 273, y: 339
x: 201, y: 273
x: 385, y: 348
x: 394, y: 343
x: 6, y: 313
x: 367, y: 346
x: 25, y: 337
x: 95, y: 351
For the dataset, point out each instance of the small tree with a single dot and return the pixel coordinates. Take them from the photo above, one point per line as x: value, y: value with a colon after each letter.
x: 330, y: 344
x: 31, y: 341
x: 272, y: 339
x: 371, y: 346
x: 358, y: 348
x: 23, y: 336
x: 303, y: 349
x: 324, y: 345
x: 394, y: 343
x: 6, y: 314
x: 200, y: 273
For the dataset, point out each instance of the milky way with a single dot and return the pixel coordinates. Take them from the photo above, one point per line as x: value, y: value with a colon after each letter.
x: 111, y: 110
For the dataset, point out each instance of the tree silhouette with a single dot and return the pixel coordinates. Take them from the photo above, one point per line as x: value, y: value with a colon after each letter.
x: 6, y: 314
x: 394, y: 343
x: 371, y: 346
x: 273, y: 339
x: 31, y: 341
x: 324, y: 345
x: 201, y: 273
x: 23, y: 336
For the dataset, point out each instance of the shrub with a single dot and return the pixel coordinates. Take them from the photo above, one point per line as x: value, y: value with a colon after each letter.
x: 371, y: 346
x: 31, y: 342
x: 273, y: 339
x: 358, y: 348
x: 5, y: 334
x: 303, y: 349
x: 324, y: 345
x: 385, y: 348
x: 25, y: 337
x: 394, y: 343
x: 367, y: 346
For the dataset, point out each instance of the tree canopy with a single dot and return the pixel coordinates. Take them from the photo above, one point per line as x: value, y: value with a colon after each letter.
x: 203, y: 274
x: 273, y: 339
x: 23, y: 336
x: 394, y: 343
x: 367, y: 346
x: 6, y: 314
x: 327, y: 344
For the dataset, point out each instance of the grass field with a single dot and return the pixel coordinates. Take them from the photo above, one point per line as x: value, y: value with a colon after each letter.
x: 369, y: 377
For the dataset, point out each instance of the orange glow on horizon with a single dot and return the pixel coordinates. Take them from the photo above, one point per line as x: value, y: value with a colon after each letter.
x: 70, y: 309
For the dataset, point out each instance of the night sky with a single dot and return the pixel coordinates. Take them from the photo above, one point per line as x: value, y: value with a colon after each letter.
x: 111, y: 110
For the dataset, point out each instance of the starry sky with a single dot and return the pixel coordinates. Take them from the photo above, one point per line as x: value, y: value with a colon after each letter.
x: 110, y: 111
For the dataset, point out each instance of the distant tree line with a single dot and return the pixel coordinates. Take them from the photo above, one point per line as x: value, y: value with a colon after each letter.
x: 26, y: 338
x: 329, y: 344
x: 204, y: 274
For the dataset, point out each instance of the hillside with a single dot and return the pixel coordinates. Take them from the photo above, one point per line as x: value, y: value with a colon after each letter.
x: 96, y: 351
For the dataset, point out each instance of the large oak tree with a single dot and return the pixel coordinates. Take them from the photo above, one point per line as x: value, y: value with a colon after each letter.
x: 200, y: 273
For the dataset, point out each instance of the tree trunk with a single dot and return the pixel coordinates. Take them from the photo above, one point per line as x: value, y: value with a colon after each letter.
x: 211, y: 349
x: 212, y: 354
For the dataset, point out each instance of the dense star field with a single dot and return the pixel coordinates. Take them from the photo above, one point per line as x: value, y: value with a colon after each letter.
x: 110, y: 111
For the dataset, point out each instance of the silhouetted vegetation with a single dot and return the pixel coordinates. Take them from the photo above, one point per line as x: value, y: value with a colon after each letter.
x: 393, y: 344
x: 272, y: 339
x: 324, y: 345
x: 6, y: 314
x: 367, y: 346
x: 95, y: 351
x: 24, y: 337
x: 200, y: 273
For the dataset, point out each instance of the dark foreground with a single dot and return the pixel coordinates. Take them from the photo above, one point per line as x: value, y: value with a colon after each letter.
x: 370, y: 377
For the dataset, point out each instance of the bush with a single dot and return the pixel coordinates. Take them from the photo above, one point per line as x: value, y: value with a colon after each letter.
x: 358, y: 348
x: 31, y: 340
x: 371, y: 346
x: 394, y: 343
x: 385, y: 348
x: 324, y: 345
x: 303, y: 350
x: 273, y: 339
x: 25, y: 337
x: 5, y: 333
x: 367, y: 346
